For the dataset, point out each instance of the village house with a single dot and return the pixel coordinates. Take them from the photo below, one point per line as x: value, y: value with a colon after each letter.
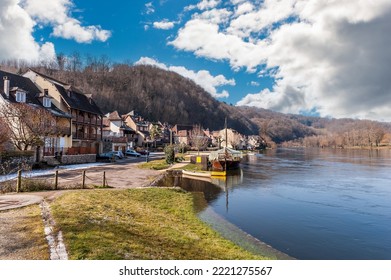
x: 253, y: 142
x: 117, y: 136
x: 182, y: 134
x: 235, y: 139
x: 16, y: 89
x: 86, y: 121
x: 140, y: 126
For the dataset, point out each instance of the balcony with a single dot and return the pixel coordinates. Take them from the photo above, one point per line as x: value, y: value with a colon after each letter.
x: 85, y: 120
x: 63, y: 131
x: 85, y: 136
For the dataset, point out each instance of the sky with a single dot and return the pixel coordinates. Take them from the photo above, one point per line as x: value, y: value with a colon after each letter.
x: 329, y: 58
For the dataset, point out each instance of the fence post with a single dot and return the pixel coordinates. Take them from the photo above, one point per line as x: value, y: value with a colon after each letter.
x: 19, y: 181
x: 56, y: 180
x: 104, y: 179
x: 84, y: 179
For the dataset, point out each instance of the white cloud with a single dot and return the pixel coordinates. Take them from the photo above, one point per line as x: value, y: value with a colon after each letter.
x: 330, y: 55
x: 208, y: 4
x: 56, y: 13
x: 244, y: 9
x: 255, y: 84
x: 164, y: 24
x: 17, y: 42
x: 150, y: 61
x: 204, y: 39
x: 203, y: 78
x: 149, y: 8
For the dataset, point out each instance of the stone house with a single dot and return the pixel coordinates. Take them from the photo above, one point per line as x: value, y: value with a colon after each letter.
x: 16, y: 89
x: 86, y: 117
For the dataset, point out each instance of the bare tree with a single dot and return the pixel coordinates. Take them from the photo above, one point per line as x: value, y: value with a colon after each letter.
x: 198, y: 139
x: 61, y: 60
x: 4, y: 133
x: 27, y: 125
x: 155, y: 132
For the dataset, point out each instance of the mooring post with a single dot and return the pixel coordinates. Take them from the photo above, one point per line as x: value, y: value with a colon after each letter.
x: 56, y: 180
x: 19, y: 181
x: 83, y: 184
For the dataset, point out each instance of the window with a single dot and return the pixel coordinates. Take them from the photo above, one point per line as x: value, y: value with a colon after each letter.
x: 21, y: 97
x: 47, y: 102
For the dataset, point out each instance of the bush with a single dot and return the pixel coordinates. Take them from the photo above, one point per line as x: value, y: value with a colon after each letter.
x: 169, y: 151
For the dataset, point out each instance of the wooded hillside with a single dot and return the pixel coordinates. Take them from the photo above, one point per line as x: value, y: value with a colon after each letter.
x: 161, y: 95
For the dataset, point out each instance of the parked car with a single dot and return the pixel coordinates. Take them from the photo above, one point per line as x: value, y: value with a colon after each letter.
x: 132, y: 153
x: 119, y: 154
x: 110, y: 155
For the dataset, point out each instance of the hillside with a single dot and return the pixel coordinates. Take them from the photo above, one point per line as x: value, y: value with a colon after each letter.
x: 157, y: 95
x: 161, y: 95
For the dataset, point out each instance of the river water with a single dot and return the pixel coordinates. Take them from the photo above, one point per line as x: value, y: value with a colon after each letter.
x: 311, y: 203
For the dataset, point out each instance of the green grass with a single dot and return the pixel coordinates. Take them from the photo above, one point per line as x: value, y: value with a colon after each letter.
x: 193, y: 167
x: 153, y: 223
x: 155, y: 164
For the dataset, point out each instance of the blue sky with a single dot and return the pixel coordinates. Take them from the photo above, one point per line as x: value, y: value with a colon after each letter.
x: 133, y: 36
x: 327, y: 58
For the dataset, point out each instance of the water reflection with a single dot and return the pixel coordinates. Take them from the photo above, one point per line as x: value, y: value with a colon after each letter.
x: 308, y: 203
x: 211, y: 187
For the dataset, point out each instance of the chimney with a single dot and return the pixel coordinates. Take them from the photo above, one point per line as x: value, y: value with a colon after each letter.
x: 6, y: 86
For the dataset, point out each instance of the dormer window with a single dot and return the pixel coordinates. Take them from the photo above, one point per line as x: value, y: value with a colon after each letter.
x: 47, y: 102
x: 20, y: 97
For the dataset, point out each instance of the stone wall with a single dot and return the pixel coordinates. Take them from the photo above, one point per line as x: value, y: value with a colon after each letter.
x: 71, y: 159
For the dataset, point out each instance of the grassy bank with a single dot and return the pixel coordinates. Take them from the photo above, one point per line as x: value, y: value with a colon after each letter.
x: 159, y: 164
x: 138, y: 224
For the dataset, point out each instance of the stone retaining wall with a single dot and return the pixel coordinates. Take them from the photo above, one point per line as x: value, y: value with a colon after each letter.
x: 71, y: 159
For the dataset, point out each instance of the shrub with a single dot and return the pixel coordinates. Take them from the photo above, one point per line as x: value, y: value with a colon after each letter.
x: 170, y: 154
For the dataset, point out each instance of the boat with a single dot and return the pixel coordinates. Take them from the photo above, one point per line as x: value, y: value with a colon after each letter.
x: 224, y: 159
x: 196, y: 174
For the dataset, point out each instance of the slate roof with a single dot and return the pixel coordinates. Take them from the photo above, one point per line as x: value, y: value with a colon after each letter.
x: 32, y: 93
x: 114, y: 116
x: 19, y: 82
x: 73, y: 97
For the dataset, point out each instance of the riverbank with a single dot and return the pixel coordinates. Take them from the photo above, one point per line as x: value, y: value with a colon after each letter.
x: 150, y: 223
x: 127, y: 222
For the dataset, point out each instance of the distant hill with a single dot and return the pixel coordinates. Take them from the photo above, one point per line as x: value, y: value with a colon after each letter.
x: 157, y: 95
x: 166, y: 96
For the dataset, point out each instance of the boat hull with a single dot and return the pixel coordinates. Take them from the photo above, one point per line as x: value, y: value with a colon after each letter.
x: 224, y: 165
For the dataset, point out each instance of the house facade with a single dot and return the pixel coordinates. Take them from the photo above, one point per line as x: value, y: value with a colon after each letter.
x: 116, y: 134
x: 182, y: 134
x: 140, y: 126
x: 86, y: 118
x: 16, y: 89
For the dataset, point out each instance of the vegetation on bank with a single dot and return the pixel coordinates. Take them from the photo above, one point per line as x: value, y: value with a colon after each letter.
x: 154, y: 223
x: 159, y: 164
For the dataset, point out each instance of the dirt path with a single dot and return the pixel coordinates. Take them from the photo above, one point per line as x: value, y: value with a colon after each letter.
x: 21, y: 234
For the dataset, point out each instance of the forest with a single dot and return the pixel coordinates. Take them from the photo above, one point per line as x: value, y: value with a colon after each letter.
x: 160, y: 95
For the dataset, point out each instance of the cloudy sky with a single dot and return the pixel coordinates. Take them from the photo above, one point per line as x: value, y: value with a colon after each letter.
x: 314, y: 57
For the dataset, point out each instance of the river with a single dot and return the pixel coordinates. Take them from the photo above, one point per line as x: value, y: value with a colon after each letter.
x: 311, y: 203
